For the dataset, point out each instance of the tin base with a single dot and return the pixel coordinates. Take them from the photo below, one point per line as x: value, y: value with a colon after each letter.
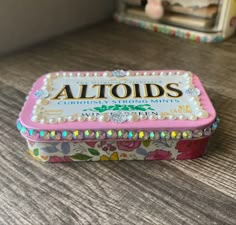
x: 117, y: 150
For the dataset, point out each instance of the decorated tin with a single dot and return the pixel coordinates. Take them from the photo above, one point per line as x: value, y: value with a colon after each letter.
x: 117, y: 115
x: 201, y: 21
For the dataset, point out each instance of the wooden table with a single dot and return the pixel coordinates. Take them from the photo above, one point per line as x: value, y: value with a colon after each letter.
x: 201, y: 191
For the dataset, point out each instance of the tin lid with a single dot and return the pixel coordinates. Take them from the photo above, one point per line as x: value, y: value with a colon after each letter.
x: 65, y: 106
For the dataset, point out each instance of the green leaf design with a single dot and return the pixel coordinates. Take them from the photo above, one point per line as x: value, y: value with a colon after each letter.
x: 117, y: 107
x: 93, y: 151
x: 80, y: 156
x: 146, y: 143
x: 36, y: 152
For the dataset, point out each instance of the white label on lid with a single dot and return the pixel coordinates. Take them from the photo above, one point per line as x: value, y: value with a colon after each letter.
x: 154, y: 97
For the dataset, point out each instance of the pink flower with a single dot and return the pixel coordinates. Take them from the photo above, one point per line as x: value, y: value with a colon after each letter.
x: 191, y: 149
x: 128, y: 145
x: 57, y: 159
x: 91, y: 143
x: 158, y: 155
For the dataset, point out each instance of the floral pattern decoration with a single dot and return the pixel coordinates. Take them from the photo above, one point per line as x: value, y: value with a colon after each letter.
x: 117, y: 150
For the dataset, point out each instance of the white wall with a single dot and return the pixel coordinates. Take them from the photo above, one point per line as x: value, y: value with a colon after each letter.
x: 25, y: 22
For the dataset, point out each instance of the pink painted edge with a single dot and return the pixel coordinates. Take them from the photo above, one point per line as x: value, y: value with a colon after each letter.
x: 25, y: 116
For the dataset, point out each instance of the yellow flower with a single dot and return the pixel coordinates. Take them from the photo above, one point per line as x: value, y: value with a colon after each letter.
x: 114, y: 156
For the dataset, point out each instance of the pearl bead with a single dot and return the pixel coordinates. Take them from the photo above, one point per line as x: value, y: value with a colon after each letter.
x: 143, y: 117
x: 104, y: 118
x: 34, y: 119
x: 129, y: 73
x: 44, y: 87
x: 133, y: 117
x: 182, y: 117
x: 196, y: 103
x: 52, y: 120
x: 78, y: 74
x: 81, y: 118
x: 49, y: 76
x: 71, y: 74
x: 64, y: 74
x: 188, y: 85
x: 61, y: 120
x: 193, y: 99
x: 35, y: 111
x: 162, y: 73
x: 202, y: 114
x: 87, y: 74
x: 152, y: 117
x: 187, y: 75
x: 192, y: 117
x: 71, y: 118
x: 43, y: 121
x: 137, y: 73
x: 106, y: 74
x: 154, y: 73
x: 171, y: 117
x: 92, y: 118
x: 161, y: 117
x: 96, y: 74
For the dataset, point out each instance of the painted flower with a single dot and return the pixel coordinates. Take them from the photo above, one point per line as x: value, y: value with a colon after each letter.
x: 158, y: 155
x: 91, y: 143
x: 106, y: 146
x: 114, y: 156
x: 57, y: 159
x: 191, y: 149
x: 37, y: 156
x: 128, y: 145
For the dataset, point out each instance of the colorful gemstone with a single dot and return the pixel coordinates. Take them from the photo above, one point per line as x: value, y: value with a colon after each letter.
x: 175, y: 134
x: 55, y: 135
x: 31, y: 132
x: 44, y: 135
x: 122, y: 134
x: 143, y: 135
x: 66, y: 135
x: 132, y: 135
x: 154, y: 135
x: 89, y: 134
x: 18, y: 125
x: 165, y: 135
x: 23, y: 130
x: 207, y: 131
x: 214, y: 126
x: 77, y: 134
x: 111, y: 134
x: 187, y: 134
x: 100, y: 135
x: 197, y: 133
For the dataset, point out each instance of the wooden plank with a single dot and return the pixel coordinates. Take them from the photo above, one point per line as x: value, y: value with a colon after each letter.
x: 201, y: 191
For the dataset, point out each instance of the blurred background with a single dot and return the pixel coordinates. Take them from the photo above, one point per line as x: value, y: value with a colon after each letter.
x: 26, y: 22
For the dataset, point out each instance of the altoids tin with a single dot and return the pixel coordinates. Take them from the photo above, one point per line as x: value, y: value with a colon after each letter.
x: 117, y: 115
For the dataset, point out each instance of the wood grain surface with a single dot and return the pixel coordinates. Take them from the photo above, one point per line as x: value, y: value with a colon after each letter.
x: 201, y: 191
